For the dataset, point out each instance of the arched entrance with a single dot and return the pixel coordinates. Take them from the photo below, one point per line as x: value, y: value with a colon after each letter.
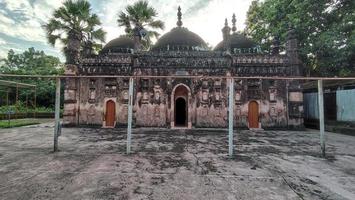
x: 181, y: 106
x: 253, y: 114
x: 180, y: 112
x: 110, y: 113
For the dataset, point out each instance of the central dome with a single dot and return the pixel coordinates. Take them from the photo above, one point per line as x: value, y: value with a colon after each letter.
x: 180, y: 39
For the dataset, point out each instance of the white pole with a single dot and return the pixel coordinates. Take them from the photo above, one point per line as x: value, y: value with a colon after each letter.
x: 57, y: 114
x: 321, y: 116
x: 129, y: 123
x: 230, y: 116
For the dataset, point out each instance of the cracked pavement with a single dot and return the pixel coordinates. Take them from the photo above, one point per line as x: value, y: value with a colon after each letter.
x: 174, y: 164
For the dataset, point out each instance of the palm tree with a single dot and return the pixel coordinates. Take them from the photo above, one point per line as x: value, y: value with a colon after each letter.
x: 75, y: 26
x: 141, y: 15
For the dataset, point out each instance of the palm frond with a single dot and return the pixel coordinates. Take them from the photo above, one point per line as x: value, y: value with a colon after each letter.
x: 62, y: 14
x: 157, y: 24
x: 93, y: 20
x: 99, y: 34
x: 140, y: 14
x: 52, y: 38
x: 124, y: 20
x: 153, y: 34
x: 74, y: 18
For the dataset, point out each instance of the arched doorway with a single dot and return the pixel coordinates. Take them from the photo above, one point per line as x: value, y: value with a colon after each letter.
x: 110, y: 113
x: 180, y: 112
x: 181, y: 106
x: 253, y: 114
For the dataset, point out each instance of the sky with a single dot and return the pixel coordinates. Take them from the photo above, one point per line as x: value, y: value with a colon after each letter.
x: 21, y: 20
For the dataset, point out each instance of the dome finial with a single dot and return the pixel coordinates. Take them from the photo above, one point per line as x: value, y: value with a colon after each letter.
x: 226, y: 30
x: 234, y: 20
x: 226, y: 22
x: 179, y: 22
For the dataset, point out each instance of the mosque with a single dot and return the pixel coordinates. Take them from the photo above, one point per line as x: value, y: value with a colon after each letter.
x: 179, y: 101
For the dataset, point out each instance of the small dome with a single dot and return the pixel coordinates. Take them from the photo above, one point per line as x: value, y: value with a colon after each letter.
x: 122, y: 44
x: 238, y: 42
x: 180, y: 38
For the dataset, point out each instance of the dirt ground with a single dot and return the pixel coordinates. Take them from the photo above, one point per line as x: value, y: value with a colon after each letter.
x: 174, y: 164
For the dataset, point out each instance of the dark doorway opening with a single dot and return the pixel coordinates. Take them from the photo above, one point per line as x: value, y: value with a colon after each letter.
x: 180, y: 112
x: 330, y: 105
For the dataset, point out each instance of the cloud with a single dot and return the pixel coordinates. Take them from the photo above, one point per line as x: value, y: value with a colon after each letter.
x: 21, y: 20
x: 209, y: 21
x: 4, y: 49
x: 2, y: 42
x: 204, y: 17
x: 24, y: 18
x: 29, y: 33
x: 196, y: 7
x: 6, y: 20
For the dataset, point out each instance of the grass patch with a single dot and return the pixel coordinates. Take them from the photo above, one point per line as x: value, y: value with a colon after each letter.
x: 17, y: 123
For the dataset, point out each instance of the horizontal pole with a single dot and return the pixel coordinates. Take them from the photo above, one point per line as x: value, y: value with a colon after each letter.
x: 187, y: 76
x: 17, y: 84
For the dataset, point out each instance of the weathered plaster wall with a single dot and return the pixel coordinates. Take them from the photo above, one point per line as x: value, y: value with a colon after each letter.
x: 280, y: 102
x: 211, y: 117
x: 208, y: 106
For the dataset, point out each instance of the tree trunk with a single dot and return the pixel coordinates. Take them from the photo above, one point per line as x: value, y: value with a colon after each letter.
x: 72, y: 51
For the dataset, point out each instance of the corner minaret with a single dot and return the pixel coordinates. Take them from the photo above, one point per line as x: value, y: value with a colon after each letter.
x: 295, y: 105
x: 234, y: 20
x: 226, y: 30
x: 179, y: 22
x: 292, y: 52
x: 292, y: 43
x: 275, y: 47
x: 71, y: 102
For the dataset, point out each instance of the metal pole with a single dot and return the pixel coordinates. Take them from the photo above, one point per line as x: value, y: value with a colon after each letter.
x: 287, y: 104
x: 35, y: 103
x: 16, y: 103
x: 78, y: 102
x: 57, y: 114
x: 230, y: 116
x: 26, y: 105
x: 129, y: 123
x: 8, y: 108
x: 321, y: 116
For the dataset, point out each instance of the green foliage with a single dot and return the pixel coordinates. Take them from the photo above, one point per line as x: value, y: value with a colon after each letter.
x: 140, y: 14
x: 325, y: 29
x: 17, y: 123
x: 32, y: 62
x: 21, y: 108
x: 75, y: 17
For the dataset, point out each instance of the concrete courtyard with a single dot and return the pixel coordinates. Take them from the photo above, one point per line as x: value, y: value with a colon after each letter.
x: 174, y: 164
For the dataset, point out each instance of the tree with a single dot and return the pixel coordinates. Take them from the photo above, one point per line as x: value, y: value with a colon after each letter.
x: 75, y: 26
x: 325, y: 31
x: 33, y: 62
x: 140, y: 14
